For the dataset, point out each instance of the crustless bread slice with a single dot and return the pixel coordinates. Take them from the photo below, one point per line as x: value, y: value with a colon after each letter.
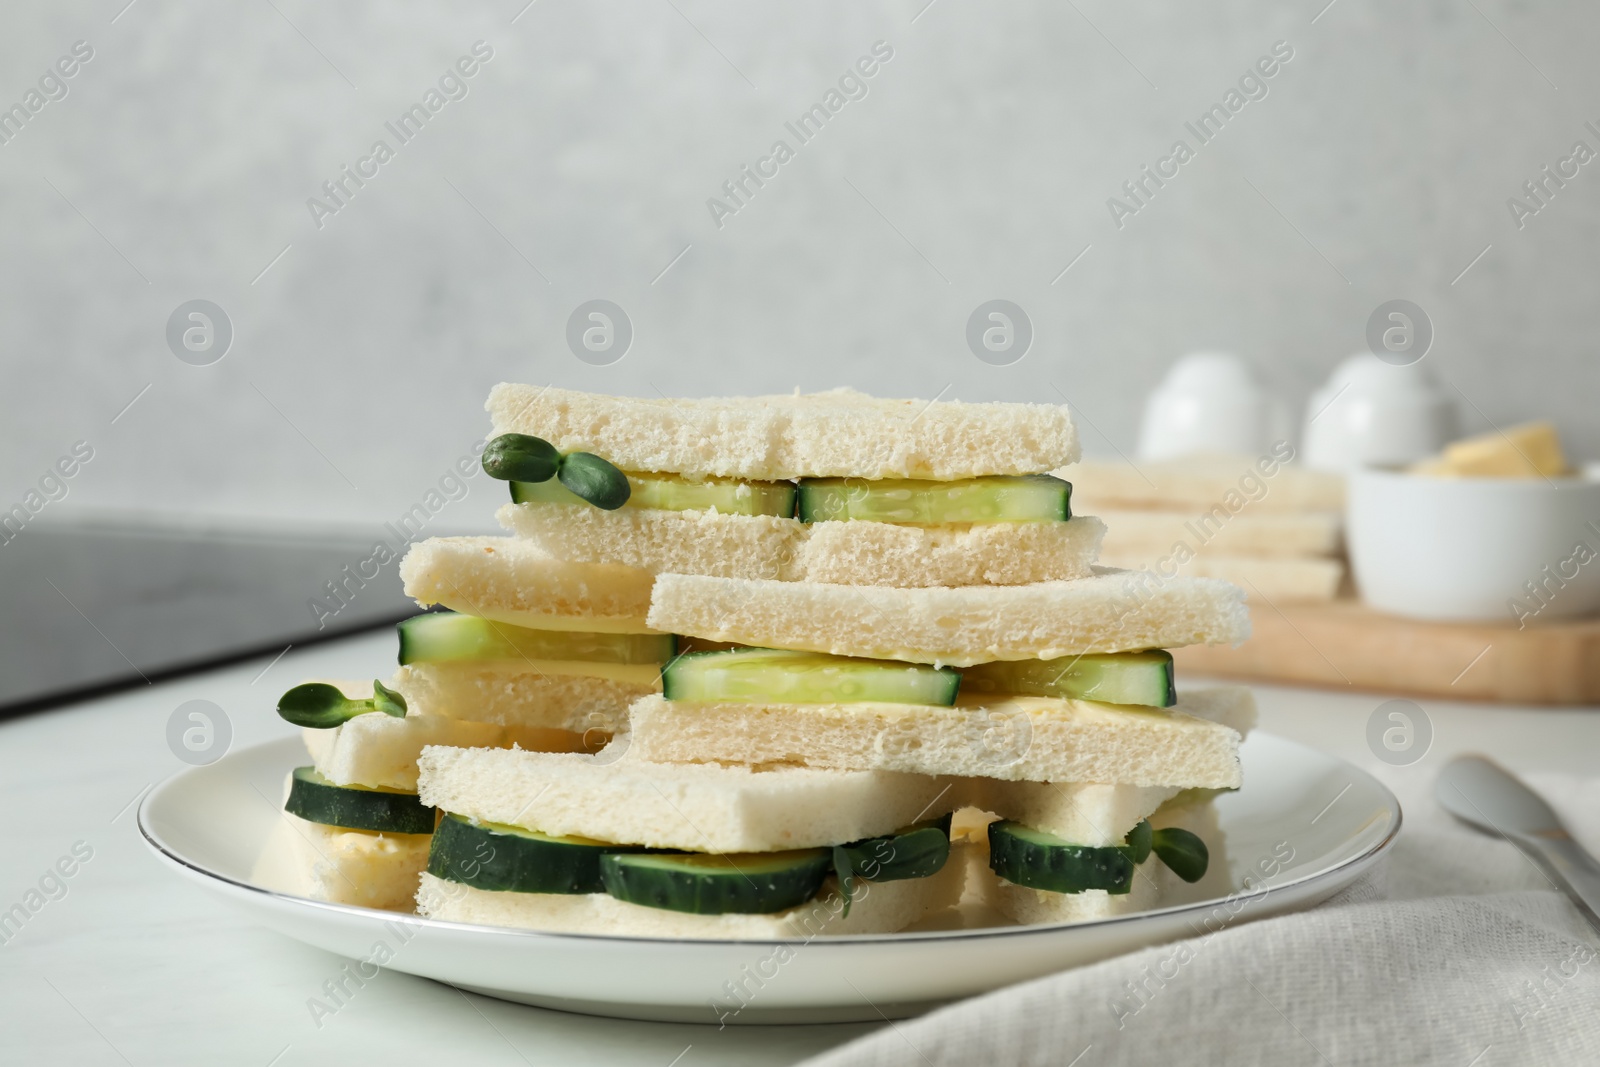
x: 513, y: 693
x: 846, y: 553
x: 841, y: 434
x: 700, y: 808
x: 511, y: 580
x: 1114, y: 611
x: 1029, y: 739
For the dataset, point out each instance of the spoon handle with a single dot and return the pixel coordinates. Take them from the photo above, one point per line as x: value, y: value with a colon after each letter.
x: 1569, y: 866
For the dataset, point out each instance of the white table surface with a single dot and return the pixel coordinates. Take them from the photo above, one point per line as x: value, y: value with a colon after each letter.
x: 134, y: 966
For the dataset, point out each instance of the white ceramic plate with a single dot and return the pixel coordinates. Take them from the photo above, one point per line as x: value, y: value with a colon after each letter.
x: 1304, y: 826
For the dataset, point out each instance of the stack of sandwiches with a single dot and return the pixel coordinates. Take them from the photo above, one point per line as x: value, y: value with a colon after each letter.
x: 773, y: 667
x: 1264, y: 524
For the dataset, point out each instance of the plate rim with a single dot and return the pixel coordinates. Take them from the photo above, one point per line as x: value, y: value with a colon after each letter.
x: 1357, y: 863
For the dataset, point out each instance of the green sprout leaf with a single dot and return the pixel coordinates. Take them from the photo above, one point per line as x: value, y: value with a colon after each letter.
x: 516, y: 457
x: 594, y: 479
x: 319, y: 705
x: 846, y: 873
x: 387, y: 700
x: 1138, y: 844
x: 1182, y: 851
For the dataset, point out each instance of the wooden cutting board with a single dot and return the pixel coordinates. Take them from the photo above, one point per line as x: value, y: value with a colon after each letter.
x: 1344, y: 644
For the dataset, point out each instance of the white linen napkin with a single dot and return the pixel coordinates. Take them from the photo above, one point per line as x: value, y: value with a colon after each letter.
x: 1462, y: 955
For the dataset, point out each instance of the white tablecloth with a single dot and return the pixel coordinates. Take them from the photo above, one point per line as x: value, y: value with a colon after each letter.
x: 1458, y: 953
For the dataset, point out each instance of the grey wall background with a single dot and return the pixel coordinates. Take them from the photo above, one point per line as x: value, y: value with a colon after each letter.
x: 978, y: 166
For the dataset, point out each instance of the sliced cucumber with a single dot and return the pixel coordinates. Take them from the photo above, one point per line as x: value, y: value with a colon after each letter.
x: 780, y: 676
x: 915, y: 852
x: 1038, y: 860
x: 315, y: 799
x: 444, y: 637
x: 1111, y: 677
x: 504, y: 858
x: 1025, y: 498
x: 748, y: 883
x: 670, y: 492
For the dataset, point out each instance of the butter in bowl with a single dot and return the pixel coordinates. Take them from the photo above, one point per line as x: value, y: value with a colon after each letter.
x: 1497, y: 528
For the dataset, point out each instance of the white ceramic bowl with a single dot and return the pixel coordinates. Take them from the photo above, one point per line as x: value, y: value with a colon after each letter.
x: 1490, y: 549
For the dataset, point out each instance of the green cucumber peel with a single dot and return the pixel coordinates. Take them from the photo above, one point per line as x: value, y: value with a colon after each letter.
x: 594, y: 479
x: 516, y: 457
x: 847, y: 877
x: 321, y: 706
x: 1184, y: 853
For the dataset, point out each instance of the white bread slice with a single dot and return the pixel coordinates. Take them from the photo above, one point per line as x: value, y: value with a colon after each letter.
x: 1087, y: 813
x: 847, y: 553
x: 1150, y: 535
x: 1114, y: 611
x: 654, y: 540
x: 381, y: 751
x: 511, y: 581
x: 1093, y: 813
x: 510, y: 694
x: 841, y: 433
x: 1273, y: 580
x: 1204, y: 483
x: 372, y: 870
x: 877, y: 908
x: 701, y: 808
x: 994, y: 553
x: 1029, y: 739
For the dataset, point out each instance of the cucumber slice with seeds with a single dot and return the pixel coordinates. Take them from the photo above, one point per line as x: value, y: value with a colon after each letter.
x: 1110, y: 677
x: 746, y: 883
x: 1033, y: 858
x: 501, y: 858
x: 670, y: 492
x: 443, y: 637
x: 781, y: 676
x: 315, y: 799
x: 1024, y: 498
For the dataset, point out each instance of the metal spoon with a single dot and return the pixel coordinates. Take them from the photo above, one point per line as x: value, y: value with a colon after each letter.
x: 1479, y: 791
